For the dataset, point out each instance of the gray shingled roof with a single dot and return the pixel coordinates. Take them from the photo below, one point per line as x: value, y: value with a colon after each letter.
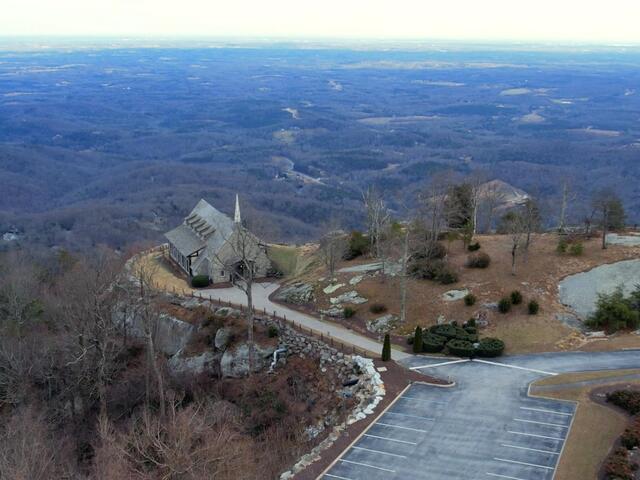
x: 185, y: 239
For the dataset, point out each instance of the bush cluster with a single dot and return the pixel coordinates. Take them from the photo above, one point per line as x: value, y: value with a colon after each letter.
x: 616, y: 312
x: 516, y: 297
x: 358, y: 245
x: 200, y: 281
x: 504, y: 305
x: 631, y: 437
x: 348, y: 312
x: 478, y: 260
x: 438, y: 270
x: 469, y: 299
x: 273, y: 331
x: 533, y: 307
x: 618, y: 466
x: 576, y: 249
x: 628, y: 400
x: 378, y: 308
x: 459, y: 341
x: 473, y: 247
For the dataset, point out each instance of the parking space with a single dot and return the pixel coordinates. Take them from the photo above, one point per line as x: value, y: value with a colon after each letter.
x: 476, y: 432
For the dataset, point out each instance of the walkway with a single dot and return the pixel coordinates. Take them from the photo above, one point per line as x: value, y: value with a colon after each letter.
x: 261, y: 293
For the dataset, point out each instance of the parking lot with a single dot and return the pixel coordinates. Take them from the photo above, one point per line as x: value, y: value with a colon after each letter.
x: 449, y: 433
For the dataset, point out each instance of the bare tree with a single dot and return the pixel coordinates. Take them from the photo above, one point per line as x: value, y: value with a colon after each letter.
x: 404, y: 275
x: 491, y: 196
x: 514, y: 225
x: 476, y: 180
x: 149, y: 316
x: 88, y: 298
x: 240, y: 256
x: 333, y: 246
x: 531, y: 219
x: 567, y: 196
x: 610, y: 211
x: 378, y: 218
x: 433, y: 208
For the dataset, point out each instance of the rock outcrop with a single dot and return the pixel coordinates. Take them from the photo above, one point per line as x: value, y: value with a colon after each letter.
x: 235, y: 360
x: 298, y: 293
x: 349, y: 297
x: 383, y: 324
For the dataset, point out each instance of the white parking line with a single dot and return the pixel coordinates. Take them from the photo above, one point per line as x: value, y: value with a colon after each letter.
x: 546, y: 411
x: 422, y: 400
x: 402, y: 428
x: 523, y: 463
x: 513, y: 366
x: 442, y: 364
x: 531, y: 449
x: 533, y: 435
x: 336, y: 476
x: 379, y: 451
x: 367, y: 465
x: 389, y: 439
x: 504, y: 476
x: 540, y: 423
x: 412, y: 416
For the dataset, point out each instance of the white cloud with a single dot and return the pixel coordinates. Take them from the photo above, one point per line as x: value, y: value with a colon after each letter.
x: 560, y: 20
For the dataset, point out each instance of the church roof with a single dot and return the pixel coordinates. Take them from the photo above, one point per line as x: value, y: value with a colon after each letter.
x: 205, y: 227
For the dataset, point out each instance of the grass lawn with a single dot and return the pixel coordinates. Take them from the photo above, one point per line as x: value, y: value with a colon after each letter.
x: 595, y: 427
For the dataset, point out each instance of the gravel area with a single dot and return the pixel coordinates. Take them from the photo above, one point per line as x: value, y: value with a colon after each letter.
x: 580, y: 291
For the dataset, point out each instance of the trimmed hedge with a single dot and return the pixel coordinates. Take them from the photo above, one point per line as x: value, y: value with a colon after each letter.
x: 460, y: 348
x: 200, y: 281
x: 433, y: 343
x: 490, y: 347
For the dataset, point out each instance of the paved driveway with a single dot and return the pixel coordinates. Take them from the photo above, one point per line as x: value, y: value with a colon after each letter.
x: 486, y: 427
x: 261, y: 293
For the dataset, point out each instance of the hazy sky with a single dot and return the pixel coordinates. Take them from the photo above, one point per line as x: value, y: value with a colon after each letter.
x: 560, y: 20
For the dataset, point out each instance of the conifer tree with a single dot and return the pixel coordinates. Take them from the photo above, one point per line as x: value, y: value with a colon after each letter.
x: 417, y: 340
x: 386, y: 348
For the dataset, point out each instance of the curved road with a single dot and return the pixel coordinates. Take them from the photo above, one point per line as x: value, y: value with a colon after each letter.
x: 261, y: 293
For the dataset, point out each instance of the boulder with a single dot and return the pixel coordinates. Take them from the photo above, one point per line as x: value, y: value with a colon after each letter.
x: 222, y: 338
x: 225, y: 312
x: 383, y: 324
x: 298, y: 293
x: 235, y: 361
x: 335, y: 312
x: 206, y: 361
x: 332, y: 288
x: 171, y: 336
x: 349, y: 297
x: 356, y: 280
x: 453, y: 295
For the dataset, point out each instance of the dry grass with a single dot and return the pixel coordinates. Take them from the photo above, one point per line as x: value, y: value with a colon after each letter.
x: 165, y: 275
x: 595, y: 427
x: 584, y: 376
x: 537, y: 277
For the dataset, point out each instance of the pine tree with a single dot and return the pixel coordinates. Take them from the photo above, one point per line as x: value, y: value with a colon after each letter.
x: 386, y: 348
x: 417, y: 340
